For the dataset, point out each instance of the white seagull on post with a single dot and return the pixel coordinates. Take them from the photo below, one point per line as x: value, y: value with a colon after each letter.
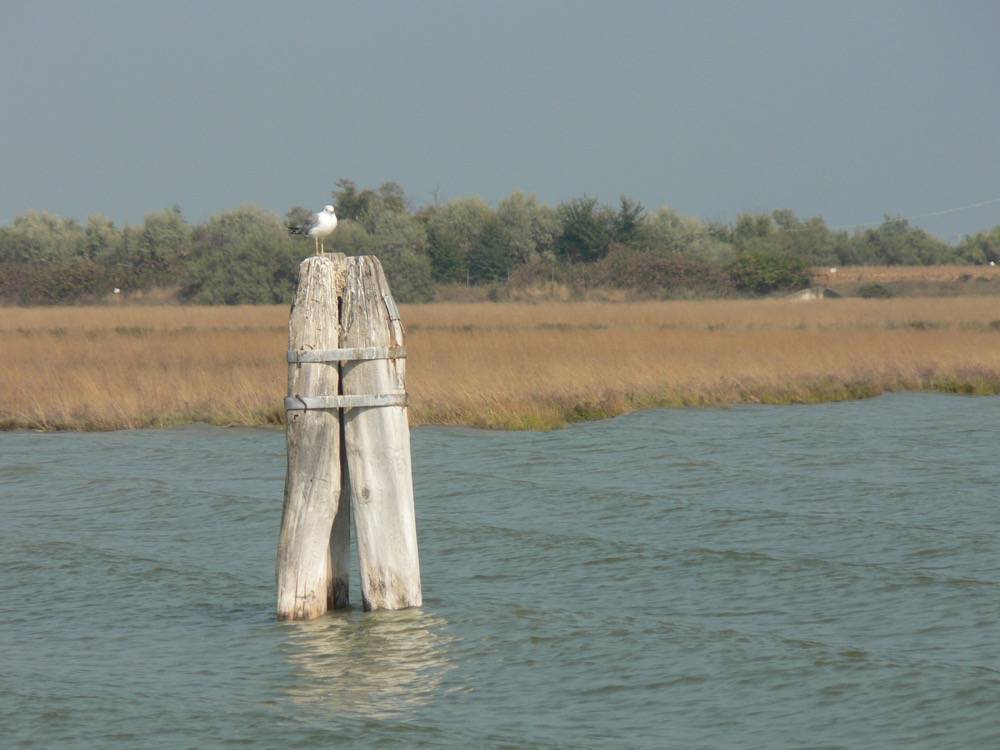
x: 322, y: 226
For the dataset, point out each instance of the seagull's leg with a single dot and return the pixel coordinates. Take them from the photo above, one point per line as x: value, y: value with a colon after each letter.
x: 322, y: 249
x: 317, y: 244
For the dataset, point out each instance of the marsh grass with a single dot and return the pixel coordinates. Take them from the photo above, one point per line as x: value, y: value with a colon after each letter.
x: 517, y: 366
x: 912, y: 274
x: 911, y: 281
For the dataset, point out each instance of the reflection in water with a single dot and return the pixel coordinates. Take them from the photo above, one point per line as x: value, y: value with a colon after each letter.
x: 373, y: 664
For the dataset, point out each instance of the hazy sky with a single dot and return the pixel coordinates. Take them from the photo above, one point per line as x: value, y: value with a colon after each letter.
x: 845, y: 109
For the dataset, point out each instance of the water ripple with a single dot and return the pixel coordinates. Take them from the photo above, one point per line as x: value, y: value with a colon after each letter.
x: 752, y: 577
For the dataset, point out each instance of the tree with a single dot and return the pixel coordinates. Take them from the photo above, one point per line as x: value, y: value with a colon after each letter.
x: 102, y: 240
x: 409, y: 276
x: 809, y: 240
x: 895, y: 242
x: 982, y: 247
x: 349, y: 238
x: 363, y: 206
x: 154, y: 253
x: 349, y: 202
x: 41, y: 237
x: 395, y: 232
x: 750, y: 227
x: 529, y: 228
x: 812, y: 241
x: 242, y: 257
x: 165, y: 239
x: 454, y: 232
x: 491, y: 259
x: 587, y: 230
x: 628, y: 222
x: 667, y: 231
x: 400, y: 242
x: 392, y: 197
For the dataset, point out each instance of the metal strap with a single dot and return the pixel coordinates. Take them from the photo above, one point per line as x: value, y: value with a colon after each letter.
x: 346, y: 355
x: 305, y: 403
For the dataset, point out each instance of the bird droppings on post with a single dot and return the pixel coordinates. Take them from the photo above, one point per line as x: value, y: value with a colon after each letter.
x: 347, y: 427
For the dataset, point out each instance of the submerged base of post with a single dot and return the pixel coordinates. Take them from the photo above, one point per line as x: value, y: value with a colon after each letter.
x: 348, y: 444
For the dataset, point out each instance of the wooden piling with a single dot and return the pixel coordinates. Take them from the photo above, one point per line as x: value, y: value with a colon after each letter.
x: 309, y: 572
x: 348, y: 444
x: 377, y: 442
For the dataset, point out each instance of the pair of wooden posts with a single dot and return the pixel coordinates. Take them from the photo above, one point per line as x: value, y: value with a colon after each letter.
x: 348, y: 444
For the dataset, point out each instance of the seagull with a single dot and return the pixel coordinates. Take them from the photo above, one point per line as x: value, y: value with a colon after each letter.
x: 322, y: 226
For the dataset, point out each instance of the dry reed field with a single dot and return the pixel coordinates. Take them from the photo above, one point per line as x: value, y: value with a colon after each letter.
x: 891, y: 274
x: 519, y: 366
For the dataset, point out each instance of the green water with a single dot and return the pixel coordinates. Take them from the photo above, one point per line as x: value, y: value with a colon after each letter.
x: 765, y: 577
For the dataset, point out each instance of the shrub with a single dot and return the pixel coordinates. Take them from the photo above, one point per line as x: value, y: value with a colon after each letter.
x: 766, y: 271
x: 454, y: 232
x: 982, y: 247
x: 242, y: 257
x: 662, y: 274
x: 529, y: 228
x: 409, y: 276
x: 57, y: 283
x: 400, y: 243
x: 490, y: 260
x: 874, y: 291
x: 41, y: 237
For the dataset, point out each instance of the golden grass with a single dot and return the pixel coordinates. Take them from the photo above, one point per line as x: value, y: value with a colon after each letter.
x: 516, y: 366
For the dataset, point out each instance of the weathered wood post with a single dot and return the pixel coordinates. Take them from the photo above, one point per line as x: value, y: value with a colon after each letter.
x: 312, y: 573
x: 377, y: 441
x: 348, y: 444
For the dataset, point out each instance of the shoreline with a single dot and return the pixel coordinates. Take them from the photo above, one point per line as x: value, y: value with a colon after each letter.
x: 554, y: 416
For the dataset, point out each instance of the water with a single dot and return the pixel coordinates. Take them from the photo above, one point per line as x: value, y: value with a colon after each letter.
x: 763, y: 577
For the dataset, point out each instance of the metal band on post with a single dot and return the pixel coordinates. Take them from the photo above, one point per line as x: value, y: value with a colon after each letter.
x: 306, y: 403
x: 310, y: 356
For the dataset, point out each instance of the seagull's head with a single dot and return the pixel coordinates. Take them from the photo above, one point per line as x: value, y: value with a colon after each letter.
x: 328, y: 209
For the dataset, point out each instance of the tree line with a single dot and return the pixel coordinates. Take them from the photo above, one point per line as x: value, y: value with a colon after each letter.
x: 250, y: 255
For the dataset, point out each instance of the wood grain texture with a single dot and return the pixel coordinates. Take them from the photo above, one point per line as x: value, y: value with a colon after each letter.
x: 377, y: 444
x: 311, y: 575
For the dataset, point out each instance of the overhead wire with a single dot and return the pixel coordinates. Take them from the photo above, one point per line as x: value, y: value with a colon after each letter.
x: 927, y: 215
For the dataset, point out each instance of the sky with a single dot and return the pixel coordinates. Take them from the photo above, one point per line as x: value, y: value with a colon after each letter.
x: 848, y: 110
